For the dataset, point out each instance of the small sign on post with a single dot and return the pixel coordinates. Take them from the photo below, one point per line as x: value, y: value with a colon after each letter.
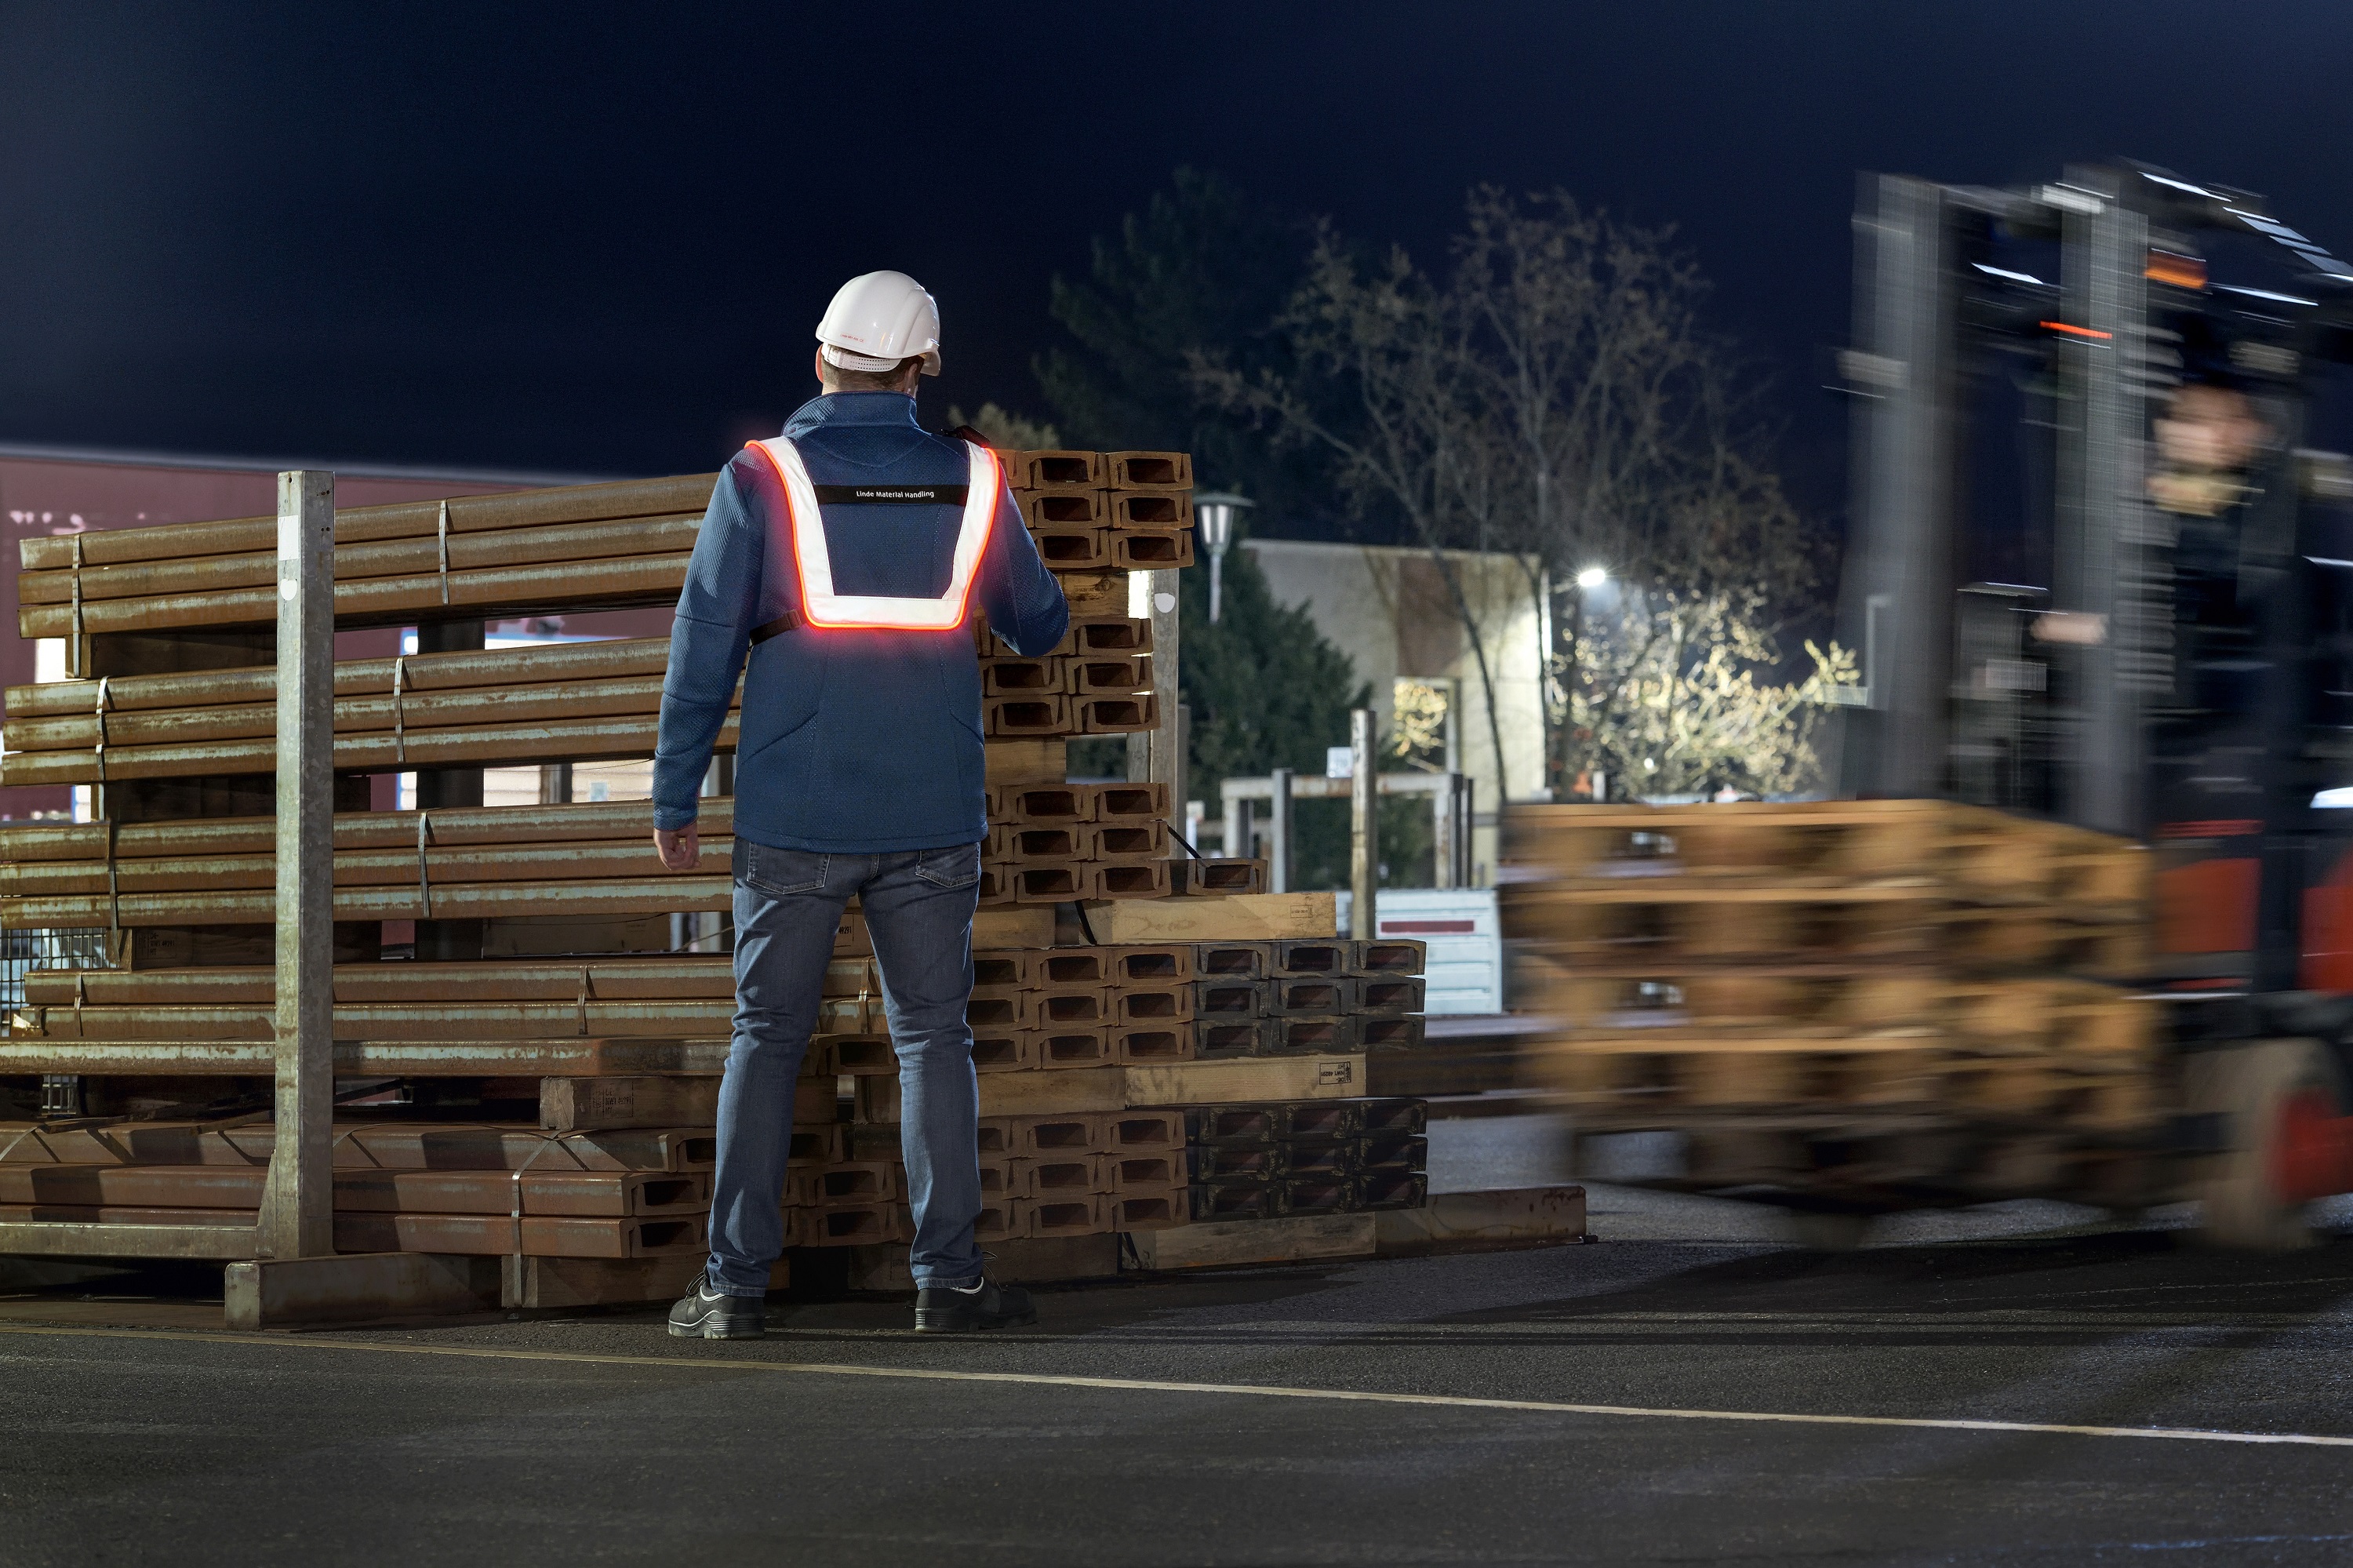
x: 298, y: 1204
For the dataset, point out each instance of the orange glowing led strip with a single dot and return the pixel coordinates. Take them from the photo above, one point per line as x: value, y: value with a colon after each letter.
x: 813, y: 562
x: 2076, y: 331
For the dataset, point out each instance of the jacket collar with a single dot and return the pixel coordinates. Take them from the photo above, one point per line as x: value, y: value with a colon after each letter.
x: 887, y: 408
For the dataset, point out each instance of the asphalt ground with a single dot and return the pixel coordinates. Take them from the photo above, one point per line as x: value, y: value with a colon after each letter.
x: 1185, y: 1420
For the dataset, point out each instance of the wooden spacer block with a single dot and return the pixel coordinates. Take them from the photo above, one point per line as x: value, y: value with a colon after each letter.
x: 581, y: 1105
x: 1233, y: 1244
x: 1258, y: 917
x: 1033, y: 760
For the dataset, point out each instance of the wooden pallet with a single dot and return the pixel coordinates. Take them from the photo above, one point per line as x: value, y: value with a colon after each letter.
x: 1962, y: 851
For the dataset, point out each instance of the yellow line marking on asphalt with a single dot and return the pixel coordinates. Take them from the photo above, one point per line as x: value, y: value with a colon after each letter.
x: 1154, y: 1385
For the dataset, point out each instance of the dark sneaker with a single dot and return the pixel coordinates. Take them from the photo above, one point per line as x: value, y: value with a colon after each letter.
x: 703, y: 1314
x: 941, y: 1309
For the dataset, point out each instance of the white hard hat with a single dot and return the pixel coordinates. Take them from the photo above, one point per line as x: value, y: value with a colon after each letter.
x: 878, y: 319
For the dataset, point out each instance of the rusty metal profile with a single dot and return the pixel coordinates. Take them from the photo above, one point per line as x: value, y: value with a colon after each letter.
x: 433, y: 867
x: 372, y: 1058
x: 543, y: 1236
x: 610, y: 1194
x: 416, y: 713
x: 418, y: 1021
x: 482, y: 594
x: 659, y: 977
x: 353, y: 677
x: 362, y: 1145
x: 450, y: 826
x: 392, y: 520
x: 414, y: 557
x: 584, y: 740
x: 668, y: 893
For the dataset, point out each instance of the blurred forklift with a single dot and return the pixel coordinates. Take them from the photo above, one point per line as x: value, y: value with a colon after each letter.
x: 2100, y: 572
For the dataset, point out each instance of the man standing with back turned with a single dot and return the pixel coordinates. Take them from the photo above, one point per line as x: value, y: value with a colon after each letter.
x: 843, y: 555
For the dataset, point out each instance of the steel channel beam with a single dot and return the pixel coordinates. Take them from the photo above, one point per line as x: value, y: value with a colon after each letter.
x: 372, y: 1058
x: 458, y: 669
x: 596, y: 1194
x: 452, y: 827
x: 420, y: 711
x: 587, y: 740
x: 434, y: 1020
x: 387, y: 602
x: 420, y: 554
x: 354, y: 868
x: 543, y: 1236
x: 400, y: 519
x: 637, y: 896
x: 663, y: 977
x: 380, y: 1146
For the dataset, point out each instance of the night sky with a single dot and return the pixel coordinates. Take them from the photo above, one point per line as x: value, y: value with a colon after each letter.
x: 595, y: 239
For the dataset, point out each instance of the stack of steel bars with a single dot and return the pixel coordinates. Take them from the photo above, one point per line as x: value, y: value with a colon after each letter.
x: 554, y: 1098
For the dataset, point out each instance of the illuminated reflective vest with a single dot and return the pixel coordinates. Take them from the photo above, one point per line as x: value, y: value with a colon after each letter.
x: 821, y: 606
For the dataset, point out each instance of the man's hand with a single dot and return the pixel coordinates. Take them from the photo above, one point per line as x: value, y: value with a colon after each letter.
x: 679, y: 849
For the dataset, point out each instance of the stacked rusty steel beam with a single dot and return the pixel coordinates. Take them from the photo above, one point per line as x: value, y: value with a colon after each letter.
x: 453, y: 864
x: 1313, y: 1157
x: 581, y: 546
x: 1055, y: 842
x: 574, y: 703
x: 1042, y: 1177
x: 473, y: 558
x: 588, y: 1214
x: 1088, y: 1051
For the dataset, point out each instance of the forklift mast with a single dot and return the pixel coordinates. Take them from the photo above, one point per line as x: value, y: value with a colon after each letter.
x: 2178, y: 663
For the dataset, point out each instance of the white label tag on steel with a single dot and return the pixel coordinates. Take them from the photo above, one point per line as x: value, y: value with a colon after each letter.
x: 289, y: 536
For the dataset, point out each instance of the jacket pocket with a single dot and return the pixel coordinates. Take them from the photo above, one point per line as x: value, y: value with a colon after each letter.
x: 781, y: 873
x: 955, y: 867
x: 784, y: 692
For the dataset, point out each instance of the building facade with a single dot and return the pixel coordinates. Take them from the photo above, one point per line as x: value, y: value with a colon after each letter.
x: 1393, y: 612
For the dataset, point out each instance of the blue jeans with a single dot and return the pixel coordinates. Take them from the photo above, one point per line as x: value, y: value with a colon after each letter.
x: 918, y: 906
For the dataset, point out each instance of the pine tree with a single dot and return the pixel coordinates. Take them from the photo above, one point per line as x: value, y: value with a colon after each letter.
x: 1267, y: 690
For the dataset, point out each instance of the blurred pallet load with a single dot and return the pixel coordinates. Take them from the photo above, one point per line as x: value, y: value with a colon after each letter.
x: 1868, y: 1003
x: 539, y: 1101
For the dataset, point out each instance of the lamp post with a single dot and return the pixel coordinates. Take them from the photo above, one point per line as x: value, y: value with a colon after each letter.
x: 1588, y: 580
x: 1213, y: 523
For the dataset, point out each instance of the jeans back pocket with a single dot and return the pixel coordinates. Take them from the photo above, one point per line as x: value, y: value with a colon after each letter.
x: 780, y: 872
x: 957, y: 866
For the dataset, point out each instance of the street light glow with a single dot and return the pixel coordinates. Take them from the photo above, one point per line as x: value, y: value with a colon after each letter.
x: 1592, y: 578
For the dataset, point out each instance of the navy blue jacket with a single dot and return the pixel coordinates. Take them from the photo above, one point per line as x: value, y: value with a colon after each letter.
x: 850, y: 741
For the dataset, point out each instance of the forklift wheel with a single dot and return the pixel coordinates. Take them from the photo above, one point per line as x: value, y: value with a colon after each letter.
x: 2253, y: 1087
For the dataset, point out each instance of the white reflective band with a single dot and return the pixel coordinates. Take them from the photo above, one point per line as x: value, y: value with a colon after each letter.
x: 850, y: 359
x: 821, y: 607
